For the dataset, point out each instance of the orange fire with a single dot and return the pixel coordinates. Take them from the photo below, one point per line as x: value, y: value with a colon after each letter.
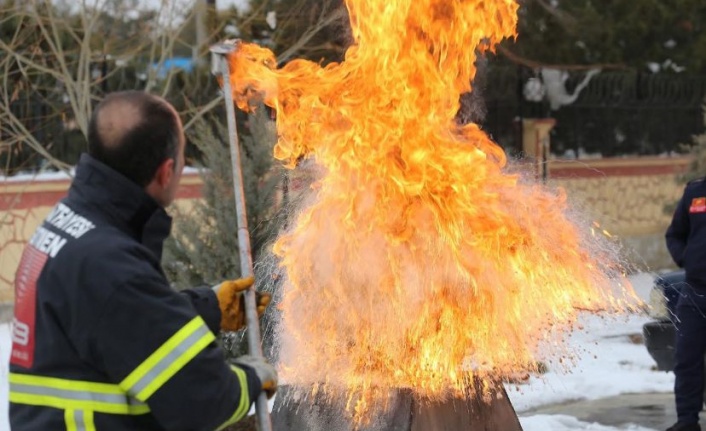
x: 419, y: 262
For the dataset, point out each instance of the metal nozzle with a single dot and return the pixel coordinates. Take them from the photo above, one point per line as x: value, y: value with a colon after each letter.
x: 220, y: 53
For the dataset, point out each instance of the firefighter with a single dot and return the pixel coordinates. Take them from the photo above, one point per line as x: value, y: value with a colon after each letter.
x: 100, y: 340
x: 686, y: 241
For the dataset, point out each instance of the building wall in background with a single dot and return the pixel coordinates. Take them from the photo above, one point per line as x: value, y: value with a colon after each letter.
x: 625, y: 196
x: 629, y: 198
x: 25, y: 204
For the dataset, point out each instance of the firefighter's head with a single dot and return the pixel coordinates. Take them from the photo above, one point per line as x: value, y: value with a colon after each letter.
x: 140, y: 136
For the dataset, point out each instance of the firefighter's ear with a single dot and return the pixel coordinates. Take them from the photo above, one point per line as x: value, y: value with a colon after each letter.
x: 160, y: 188
x: 164, y: 173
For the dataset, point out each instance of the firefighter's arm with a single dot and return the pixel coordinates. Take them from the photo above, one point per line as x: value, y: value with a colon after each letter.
x: 205, y: 302
x: 678, y: 231
x: 150, y: 341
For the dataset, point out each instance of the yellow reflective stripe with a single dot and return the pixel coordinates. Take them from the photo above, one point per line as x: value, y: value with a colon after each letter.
x: 70, y: 419
x: 168, y: 359
x: 244, y: 404
x: 72, y: 395
x: 88, y: 421
x: 79, y: 420
x: 66, y: 384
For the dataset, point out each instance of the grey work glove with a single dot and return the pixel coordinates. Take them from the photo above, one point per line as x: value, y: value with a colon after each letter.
x: 265, y: 372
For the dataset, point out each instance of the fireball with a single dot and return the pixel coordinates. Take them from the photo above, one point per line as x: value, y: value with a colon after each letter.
x: 419, y: 262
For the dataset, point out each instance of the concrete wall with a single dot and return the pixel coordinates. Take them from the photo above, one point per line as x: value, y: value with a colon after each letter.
x: 25, y: 203
x: 625, y: 196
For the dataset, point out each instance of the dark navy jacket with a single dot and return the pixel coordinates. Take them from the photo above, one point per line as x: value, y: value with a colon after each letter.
x: 100, y: 340
x: 686, y: 235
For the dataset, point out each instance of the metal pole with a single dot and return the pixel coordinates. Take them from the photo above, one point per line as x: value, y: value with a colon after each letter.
x: 221, y: 67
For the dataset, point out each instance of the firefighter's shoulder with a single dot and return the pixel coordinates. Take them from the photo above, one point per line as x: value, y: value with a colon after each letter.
x: 696, y: 182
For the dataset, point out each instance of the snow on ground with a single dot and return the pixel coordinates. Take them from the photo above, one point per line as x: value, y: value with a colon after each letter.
x: 607, y: 363
x: 38, y: 176
x: 61, y: 175
x: 4, y: 360
x: 568, y: 423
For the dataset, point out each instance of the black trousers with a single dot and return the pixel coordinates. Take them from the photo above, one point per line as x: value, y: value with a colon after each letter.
x: 690, y: 324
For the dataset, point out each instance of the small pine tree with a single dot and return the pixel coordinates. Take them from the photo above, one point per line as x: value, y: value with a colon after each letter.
x: 204, y: 246
x: 697, y: 167
x: 697, y: 149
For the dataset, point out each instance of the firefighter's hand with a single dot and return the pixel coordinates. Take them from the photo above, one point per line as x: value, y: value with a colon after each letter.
x: 231, y: 301
x: 265, y: 372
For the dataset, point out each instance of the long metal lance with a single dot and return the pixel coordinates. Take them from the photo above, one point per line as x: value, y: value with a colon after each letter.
x: 221, y: 67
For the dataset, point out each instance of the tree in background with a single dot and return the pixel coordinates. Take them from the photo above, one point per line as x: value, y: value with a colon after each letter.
x: 647, y: 35
x: 58, y: 59
x: 317, y: 30
x: 697, y: 149
x: 204, y: 247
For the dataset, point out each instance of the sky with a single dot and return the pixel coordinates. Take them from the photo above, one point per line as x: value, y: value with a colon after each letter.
x: 227, y: 3
x: 221, y: 4
x: 607, y: 364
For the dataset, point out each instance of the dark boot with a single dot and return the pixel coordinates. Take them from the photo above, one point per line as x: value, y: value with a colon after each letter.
x: 680, y: 426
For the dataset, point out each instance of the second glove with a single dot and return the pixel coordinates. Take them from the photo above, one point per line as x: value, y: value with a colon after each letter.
x: 265, y: 372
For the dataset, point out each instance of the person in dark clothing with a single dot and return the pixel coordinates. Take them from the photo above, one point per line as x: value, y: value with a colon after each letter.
x: 100, y: 340
x: 686, y: 241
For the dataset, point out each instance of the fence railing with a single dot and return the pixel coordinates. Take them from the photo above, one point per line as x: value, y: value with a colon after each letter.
x: 619, y: 113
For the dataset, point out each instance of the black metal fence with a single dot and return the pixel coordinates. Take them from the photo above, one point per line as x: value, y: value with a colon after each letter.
x: 37, y: 115
x: 619, y: 113
x: 48, y: 117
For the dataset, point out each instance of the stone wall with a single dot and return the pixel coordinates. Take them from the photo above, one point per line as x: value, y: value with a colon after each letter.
x: 25, y: 203
x: 626, y: 196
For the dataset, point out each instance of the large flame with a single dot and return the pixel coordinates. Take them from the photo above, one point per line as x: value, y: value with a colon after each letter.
x: 419, y: 261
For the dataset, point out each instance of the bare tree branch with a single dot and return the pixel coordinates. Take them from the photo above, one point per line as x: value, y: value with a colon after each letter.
x: 50, y: 55
x: 326, y: 18
x: 568, y: 22
x: 532, y: 64
x: 201, y: 111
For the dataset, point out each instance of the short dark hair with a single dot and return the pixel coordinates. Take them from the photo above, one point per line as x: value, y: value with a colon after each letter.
x: 139, y: 146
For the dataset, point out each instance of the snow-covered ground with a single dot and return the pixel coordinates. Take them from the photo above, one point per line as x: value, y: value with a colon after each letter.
x: 61, y: 175
x: 607, y: 363
x: 4, y: 360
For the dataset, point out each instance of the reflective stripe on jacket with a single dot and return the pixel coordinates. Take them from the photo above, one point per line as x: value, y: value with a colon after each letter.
x: 73, y: 395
